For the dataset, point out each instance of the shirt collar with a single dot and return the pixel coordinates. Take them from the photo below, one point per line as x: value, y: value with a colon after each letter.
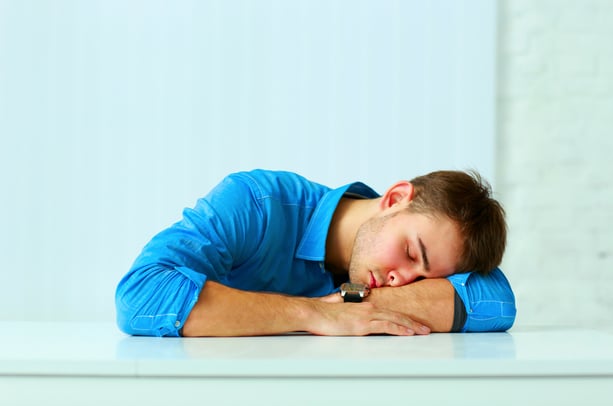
x: 312, y: 247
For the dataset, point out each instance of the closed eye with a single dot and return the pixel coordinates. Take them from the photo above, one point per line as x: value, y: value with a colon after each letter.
x: 408, y: 251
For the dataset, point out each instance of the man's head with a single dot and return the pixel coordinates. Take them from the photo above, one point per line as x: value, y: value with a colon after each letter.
x: 435, y: 225
x: 466, y: 199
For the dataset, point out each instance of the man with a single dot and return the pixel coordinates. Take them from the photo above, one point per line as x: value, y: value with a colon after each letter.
x: 266, y: 253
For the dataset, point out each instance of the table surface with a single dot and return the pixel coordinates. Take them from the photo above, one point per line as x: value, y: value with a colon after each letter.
x: 100, y: 349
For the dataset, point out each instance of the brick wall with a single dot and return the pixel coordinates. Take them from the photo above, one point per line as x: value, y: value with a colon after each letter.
x: 555, y: 157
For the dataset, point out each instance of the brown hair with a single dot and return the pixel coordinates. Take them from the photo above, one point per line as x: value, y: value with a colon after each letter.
x: 465, y: 198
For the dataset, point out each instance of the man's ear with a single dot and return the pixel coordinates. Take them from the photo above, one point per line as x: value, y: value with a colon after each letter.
x: 401, y: 192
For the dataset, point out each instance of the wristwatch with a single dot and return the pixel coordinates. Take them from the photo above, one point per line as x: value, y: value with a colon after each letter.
x: 354, y: 292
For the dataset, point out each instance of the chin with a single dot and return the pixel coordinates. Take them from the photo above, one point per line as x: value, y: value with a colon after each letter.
x: 354, y: 276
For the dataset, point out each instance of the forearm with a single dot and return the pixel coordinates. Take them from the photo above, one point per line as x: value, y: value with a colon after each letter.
x: 429, y: 301
x: 224, y: 311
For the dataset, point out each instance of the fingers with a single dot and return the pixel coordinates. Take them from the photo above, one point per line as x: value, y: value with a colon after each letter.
x: 387, y: 322
x: 386, y: 327
x: 371, y: 320
x: 359, y: 319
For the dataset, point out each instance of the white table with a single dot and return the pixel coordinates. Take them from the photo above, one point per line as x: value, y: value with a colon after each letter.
x: 93, y: 363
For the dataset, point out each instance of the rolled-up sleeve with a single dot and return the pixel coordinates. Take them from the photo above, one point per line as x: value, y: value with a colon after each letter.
x: 157, y: 294
x: 156, y: 301
x: 489, y: 301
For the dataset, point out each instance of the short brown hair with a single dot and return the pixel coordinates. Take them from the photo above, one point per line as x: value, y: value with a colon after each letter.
x: 465, y: 198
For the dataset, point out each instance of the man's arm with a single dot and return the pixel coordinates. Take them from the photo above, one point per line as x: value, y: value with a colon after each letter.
x: 485, y: 302
x: 429, y: 301
x: 224, y: 311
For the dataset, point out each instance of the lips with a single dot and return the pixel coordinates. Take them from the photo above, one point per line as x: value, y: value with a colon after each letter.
x: 373, y: 281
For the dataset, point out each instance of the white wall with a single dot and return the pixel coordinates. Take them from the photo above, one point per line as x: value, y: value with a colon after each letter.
x: 114, y: 115
x: 555, y: 125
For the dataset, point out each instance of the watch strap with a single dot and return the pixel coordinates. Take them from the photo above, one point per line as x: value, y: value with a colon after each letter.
x: 352, y: 297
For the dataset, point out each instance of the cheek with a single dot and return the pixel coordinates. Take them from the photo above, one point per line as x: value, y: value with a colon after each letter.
x: 389, y: 253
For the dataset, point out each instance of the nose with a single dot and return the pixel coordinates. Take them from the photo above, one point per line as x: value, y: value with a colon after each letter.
x: 401, y: 277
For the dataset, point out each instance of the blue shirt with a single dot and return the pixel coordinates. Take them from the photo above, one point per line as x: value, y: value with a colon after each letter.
x: 258, y: 231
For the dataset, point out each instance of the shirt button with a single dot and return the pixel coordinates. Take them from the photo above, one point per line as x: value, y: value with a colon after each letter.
x: 177, y: 323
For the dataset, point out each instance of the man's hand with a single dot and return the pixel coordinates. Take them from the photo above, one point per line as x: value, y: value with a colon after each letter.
x: 359, y: 319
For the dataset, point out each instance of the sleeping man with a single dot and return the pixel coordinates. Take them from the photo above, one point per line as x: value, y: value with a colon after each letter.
x: 269, y: 252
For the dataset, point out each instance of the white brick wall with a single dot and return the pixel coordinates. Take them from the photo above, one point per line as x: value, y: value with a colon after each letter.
x: 555, y: 157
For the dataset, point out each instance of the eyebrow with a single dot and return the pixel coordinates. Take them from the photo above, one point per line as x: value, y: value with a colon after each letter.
x: 424, y: 254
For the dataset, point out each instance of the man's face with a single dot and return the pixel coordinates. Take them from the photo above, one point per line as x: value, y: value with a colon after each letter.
x: 398, y: 247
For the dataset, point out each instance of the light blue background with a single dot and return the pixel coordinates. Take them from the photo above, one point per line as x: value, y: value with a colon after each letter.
x: 114, y: 115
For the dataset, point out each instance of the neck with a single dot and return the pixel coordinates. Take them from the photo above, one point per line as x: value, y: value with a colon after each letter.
x: 349, y: 215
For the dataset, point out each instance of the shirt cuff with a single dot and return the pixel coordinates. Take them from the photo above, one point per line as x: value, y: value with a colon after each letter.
x: 489, y: 300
